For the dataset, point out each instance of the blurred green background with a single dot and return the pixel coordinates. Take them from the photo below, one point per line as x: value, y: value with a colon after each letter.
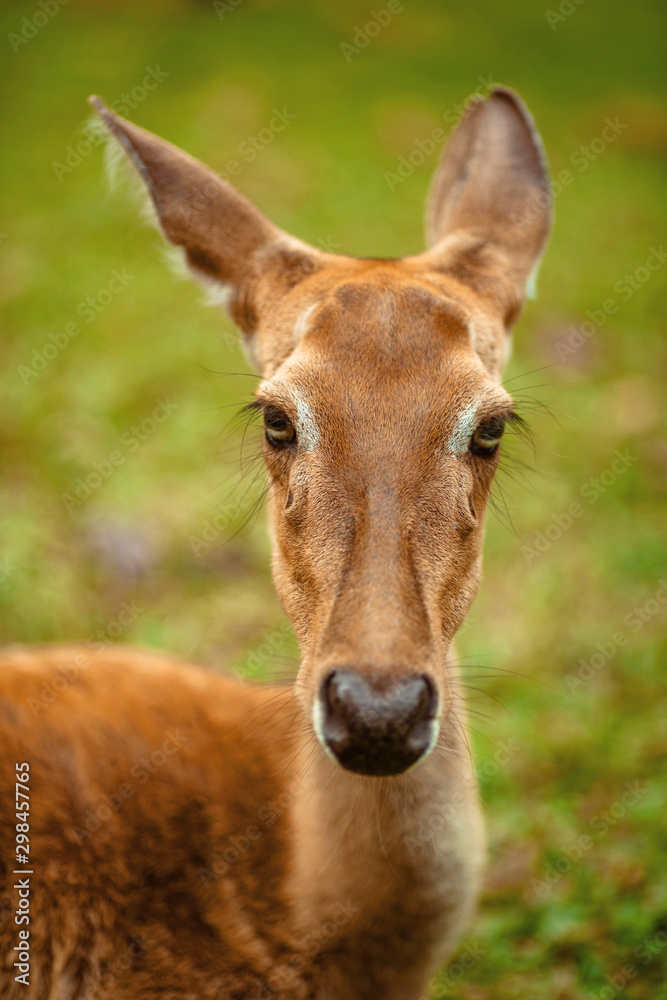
x: 165, y: 544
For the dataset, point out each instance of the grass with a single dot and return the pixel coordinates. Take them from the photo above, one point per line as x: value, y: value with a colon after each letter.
x: 569, y: 620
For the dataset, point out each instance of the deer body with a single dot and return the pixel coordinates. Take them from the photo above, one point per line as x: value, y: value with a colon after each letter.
x: 197, y: 837
x: 186, y: 852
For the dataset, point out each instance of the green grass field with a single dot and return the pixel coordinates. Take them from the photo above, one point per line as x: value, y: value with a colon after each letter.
x: 167, y: 549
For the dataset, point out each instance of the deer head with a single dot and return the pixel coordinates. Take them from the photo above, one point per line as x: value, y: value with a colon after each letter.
x: 383, y: 415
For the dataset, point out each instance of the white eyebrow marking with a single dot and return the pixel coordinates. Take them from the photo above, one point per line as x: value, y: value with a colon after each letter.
x: 301, y: 325
x: 306, y: 429
x: 459, y: 439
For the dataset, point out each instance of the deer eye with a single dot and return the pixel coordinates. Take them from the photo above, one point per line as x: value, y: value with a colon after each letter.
x: 278, y: 428
x: 487, y: 437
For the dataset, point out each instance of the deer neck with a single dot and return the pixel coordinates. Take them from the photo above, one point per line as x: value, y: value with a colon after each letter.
x: 394, y: 857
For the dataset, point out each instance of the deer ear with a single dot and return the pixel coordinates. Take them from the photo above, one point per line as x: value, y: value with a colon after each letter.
x: 227, y: 241
x: 489, y: 210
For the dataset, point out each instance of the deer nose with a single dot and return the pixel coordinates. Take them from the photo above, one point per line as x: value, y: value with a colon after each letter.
x: 379, y: 727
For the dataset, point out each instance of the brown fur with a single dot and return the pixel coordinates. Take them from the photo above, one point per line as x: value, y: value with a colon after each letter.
x: 245, y: 862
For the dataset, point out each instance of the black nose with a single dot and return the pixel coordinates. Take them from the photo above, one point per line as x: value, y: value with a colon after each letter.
x: 377, y: 727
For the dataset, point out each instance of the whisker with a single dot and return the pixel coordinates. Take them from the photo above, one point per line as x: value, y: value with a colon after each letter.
x: 532, y: 371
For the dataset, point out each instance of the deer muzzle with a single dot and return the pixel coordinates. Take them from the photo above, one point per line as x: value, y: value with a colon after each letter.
x: 377, y: 725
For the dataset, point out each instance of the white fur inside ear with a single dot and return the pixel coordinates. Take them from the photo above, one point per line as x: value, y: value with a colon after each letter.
x: 531, y: 282
x: 174, y: 258
x: 509, y: 344
x: 125, y: 172
x: 118, y: 167
x: 115, y: 159
x: 216, y: 293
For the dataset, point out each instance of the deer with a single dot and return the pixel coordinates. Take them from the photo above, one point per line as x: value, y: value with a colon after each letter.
x: 170, y: 831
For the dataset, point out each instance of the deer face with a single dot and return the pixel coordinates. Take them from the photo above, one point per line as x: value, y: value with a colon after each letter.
x: 383, y: 416
x: 382, y: 434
